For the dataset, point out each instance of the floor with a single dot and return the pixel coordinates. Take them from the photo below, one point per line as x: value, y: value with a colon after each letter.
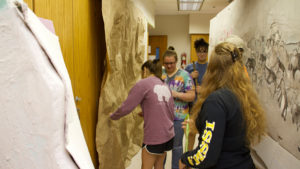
x: 136, y: 161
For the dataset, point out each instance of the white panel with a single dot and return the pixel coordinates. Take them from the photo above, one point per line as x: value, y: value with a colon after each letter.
x: 271, y: 32
x: 275, y: 156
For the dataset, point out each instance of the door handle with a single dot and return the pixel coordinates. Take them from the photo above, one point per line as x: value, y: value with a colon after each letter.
x: 77, y: 99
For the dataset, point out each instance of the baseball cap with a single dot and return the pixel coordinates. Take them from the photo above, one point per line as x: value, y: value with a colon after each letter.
x: 237, y: 41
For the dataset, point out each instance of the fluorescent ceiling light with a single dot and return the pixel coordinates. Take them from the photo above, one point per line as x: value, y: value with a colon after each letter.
x: 189, y: 5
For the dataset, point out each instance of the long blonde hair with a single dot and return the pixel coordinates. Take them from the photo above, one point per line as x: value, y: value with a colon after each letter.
x: 225, y: 70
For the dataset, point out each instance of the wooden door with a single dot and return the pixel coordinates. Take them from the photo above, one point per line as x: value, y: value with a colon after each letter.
x: 29, y: 3
x: 89, y: 55
x: 60, y: 12
x: 194, y: 37
x: 159, y: 42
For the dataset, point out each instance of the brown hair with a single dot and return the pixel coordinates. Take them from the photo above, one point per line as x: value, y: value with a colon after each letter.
x: 154, y: 67
x: 169, y: 53
x: 224, y: 70
x: 200, y: 43
x: 171, y: 48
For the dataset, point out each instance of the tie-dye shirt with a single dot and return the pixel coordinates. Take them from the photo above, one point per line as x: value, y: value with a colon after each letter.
x: 181, y: 81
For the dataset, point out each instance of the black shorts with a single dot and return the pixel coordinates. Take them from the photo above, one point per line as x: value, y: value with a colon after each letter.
x: 159, y: 149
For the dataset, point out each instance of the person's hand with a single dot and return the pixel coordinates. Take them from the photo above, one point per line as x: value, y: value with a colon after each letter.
x: 192, y: 126
x: 141, y: 114
x: 175, y: 94
x: 198, y: 89
x: 185, y: 122
x: 110, y: 116
x: 195, y: 74
x: 182, y: 166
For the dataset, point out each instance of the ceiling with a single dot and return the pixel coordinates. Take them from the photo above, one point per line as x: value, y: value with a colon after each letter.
x: 169, y: 7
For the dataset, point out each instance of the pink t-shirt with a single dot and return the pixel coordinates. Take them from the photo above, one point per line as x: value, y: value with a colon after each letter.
x: 158, y: 109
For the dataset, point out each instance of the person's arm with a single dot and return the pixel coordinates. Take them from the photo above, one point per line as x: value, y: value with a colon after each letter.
x: 189, y: 96
x: 198, y: 88
x: 194, y: 74
x: 134, y: 98
x: 209, y: 148
x: 189, y: 68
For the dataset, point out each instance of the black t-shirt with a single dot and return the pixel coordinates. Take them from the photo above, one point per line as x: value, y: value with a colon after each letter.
x: 221, y: 129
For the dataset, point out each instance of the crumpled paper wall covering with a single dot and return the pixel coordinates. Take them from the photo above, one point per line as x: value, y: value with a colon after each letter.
x: 125, y: 28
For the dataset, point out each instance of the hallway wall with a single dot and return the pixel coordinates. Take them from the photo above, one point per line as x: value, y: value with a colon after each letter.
x: 176, y: 27
x: 199, y: 23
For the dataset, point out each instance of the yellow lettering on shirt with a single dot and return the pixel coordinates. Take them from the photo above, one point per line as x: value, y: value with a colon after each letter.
x: 196, y: 158
x: 190, y: 159
x: 199, y: 156
x: 204, y: 149
x: 210, y: 126
x: 202, y: 157
x: 207, y: 136
x: 204, y: 146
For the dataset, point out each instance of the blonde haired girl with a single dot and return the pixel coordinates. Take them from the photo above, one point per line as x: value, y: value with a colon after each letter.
x: 227, y: 115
